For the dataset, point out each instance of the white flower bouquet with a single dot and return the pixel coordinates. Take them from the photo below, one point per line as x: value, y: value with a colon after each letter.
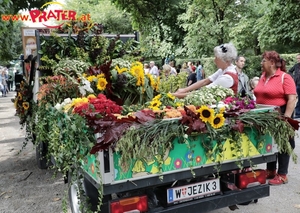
x: 208, y: 95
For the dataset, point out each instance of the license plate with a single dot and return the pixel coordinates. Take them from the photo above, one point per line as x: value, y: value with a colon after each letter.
x: 193, y: 191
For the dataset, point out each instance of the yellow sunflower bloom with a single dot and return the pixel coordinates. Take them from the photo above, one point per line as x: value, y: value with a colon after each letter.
x: 20, y: 97
x: 152, y: 81
x: 171, y: 96
x: 91, y: 78
x: 25, y: 105
x: 101, y: 85
x: 120, y: 71
x: 100, y: 76
x: 206, y: 113
x: 138, y: 72
x: 179, y: 104
x: 157, y: 97
x: 155, y: 104
x: 218, y: 121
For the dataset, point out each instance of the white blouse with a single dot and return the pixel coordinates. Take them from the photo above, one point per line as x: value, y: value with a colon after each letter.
x: 218, y: 78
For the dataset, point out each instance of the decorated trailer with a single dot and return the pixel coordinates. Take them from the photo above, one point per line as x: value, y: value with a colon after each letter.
x: 186, y: 179
x: 125, y: 144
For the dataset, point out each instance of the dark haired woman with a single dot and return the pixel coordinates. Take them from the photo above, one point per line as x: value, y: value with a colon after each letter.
x: 276, y: 87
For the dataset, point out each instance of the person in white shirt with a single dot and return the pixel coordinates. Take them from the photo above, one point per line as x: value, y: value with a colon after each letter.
x: 225, y: 76
x: 153, y: 69
x: 173, y: 70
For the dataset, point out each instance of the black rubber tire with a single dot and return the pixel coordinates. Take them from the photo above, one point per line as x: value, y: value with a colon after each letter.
x: 41, y: 155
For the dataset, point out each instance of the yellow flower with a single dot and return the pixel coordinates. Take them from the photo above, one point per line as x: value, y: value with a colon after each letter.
x: 78, y: 101
x: 179, y: 104
x: 91, y: 96
x: 101, y: 85
x: 155, y: 104
x: 16, y: 102
x: 91, y: 78
x: 218, y: 121
x: 222, y: 110
x: 171, y: 96
x: 206, y: 113
x: 20, y: 96
x: 120, y: 71
x: 138, y: 72
x: 100, y: 75
x: 67, y: 107
x: 157, y: 97
x: 25, y: 105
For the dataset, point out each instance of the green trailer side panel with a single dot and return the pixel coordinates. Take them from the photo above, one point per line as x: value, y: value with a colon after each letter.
x: 181, y: 157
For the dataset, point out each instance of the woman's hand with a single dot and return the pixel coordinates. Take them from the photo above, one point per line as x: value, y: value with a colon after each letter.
x: 180, y: 94
x: 181, y: 90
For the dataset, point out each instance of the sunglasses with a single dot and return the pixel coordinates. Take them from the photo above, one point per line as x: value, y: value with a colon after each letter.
x: 224, y: 49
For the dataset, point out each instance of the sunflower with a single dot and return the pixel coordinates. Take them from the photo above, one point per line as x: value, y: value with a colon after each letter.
x: 25, y: 105
x: 206, y: 113
x: 155, y: 104
x: 157, y: 97
x: 152, y: 81
x: 218, y: 121
x: 120, y: 71
x: 179, y: 104
x: 91, y: 78
x: 101, y: 85
x: 20, y: 97
x: 100, y: 75
x: 138, y: 72
x: 171, y: 96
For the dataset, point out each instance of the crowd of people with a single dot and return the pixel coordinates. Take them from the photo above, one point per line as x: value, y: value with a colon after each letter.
x: 9, y: 80
x: 195, y: 71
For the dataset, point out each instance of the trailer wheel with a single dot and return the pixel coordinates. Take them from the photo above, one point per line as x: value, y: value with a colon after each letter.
x: 73, y: 192
x: 41, y: 155
x: 89, y: 192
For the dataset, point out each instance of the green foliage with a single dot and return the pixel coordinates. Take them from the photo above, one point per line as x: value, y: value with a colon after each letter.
x: 271, y: 123
x: 148, y: 141
x: 12, y: 47
x: 173, y: 82
x: 157, y: 22
x: 115, y: 21
x: 93, y: 49
x: 69, y: 139
x: 280, y: 23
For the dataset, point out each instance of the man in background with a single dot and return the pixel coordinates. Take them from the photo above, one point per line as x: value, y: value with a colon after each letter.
x: 295, y: 73
x: 153, y: 69
x: 243, y: 86
x: 199, y: 71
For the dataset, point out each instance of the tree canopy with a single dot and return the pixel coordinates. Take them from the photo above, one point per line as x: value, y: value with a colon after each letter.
x: 184, y: 28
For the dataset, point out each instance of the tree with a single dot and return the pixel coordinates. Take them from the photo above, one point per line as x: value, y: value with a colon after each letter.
x: 157, y: 22
x: 209, y: 23
x: 280, y: 26
x: 115, y: 21
x: 11, y: 41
